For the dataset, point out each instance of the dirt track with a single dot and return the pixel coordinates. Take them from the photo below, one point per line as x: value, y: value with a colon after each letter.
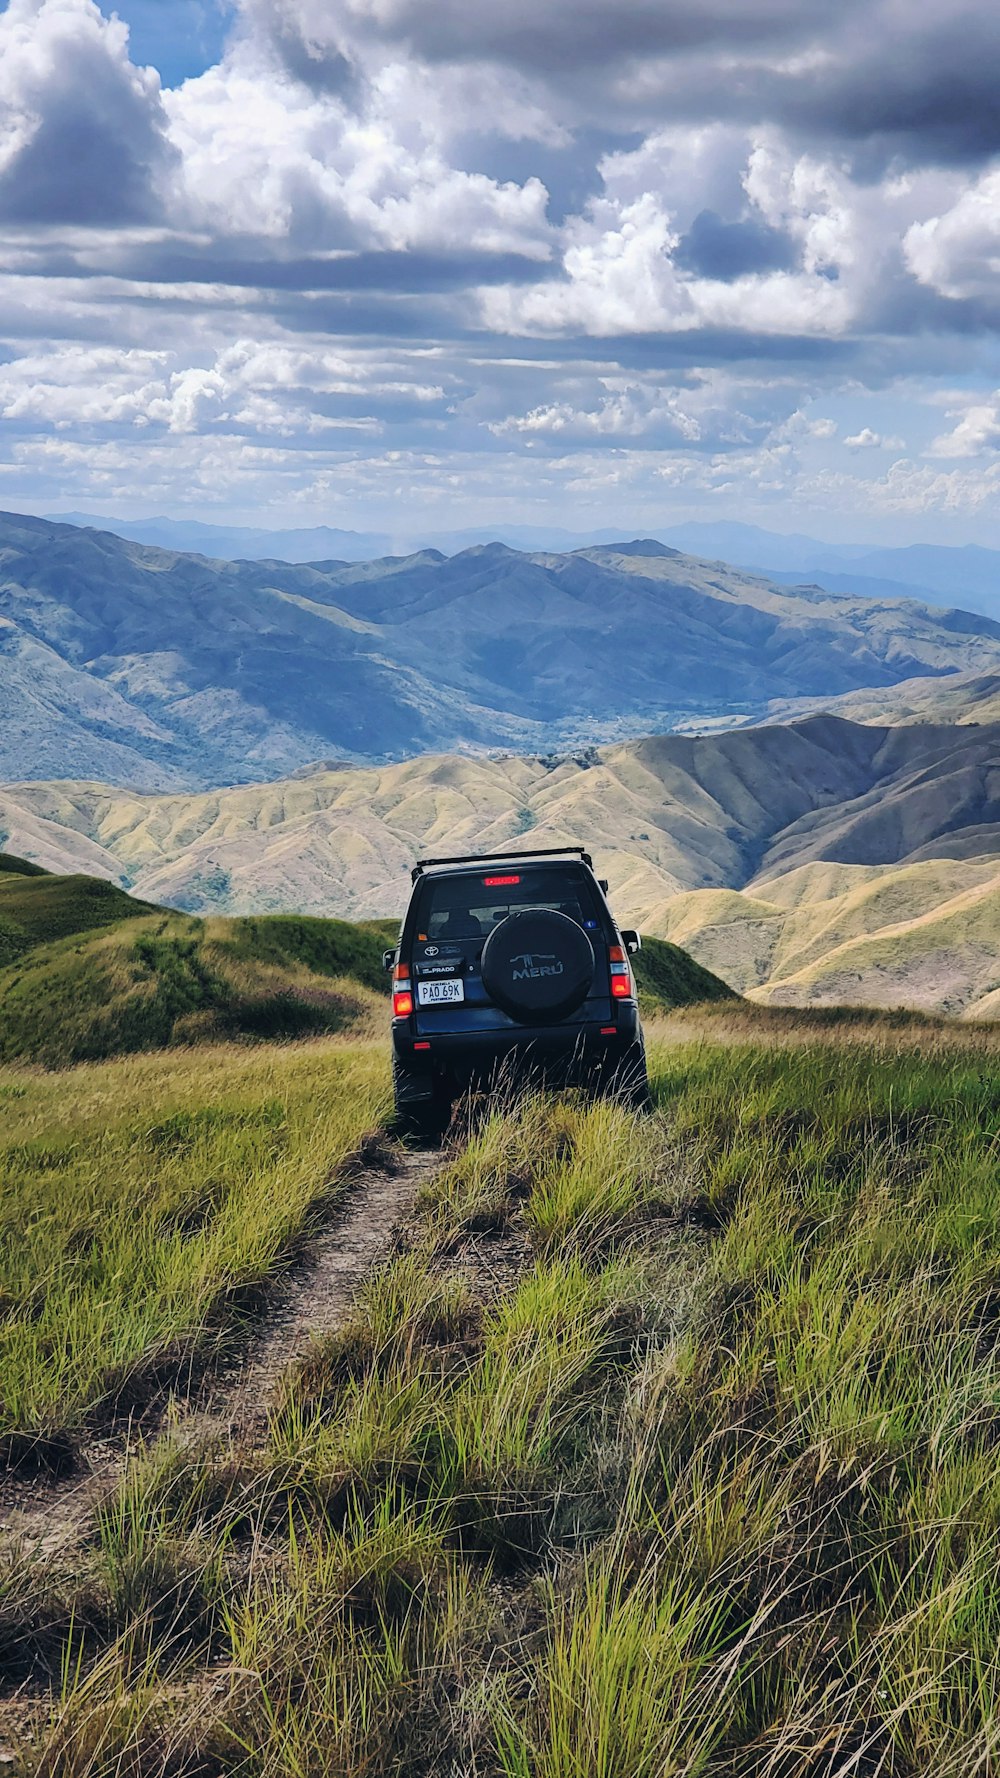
x: 45, y: 1516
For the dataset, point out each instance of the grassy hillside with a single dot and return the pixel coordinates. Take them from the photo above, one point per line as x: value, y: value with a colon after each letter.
x: 925, y: 934
x: 19, y: 867
x: 36, y: 908
x: 692, y: 833
x: 654, y: 1446
x: 667, y: 977
x: 88, y: 972
x: 168, y: 979
x: 663, y: 815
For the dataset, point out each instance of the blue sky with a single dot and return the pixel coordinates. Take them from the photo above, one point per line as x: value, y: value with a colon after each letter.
x: 380, y: 263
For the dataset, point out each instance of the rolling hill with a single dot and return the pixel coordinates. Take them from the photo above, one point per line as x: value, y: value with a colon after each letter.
x: 158, y: 670
x: 693, y: 834
x: 963, y: 698
x: 924, y: 934
x: 90, y: 972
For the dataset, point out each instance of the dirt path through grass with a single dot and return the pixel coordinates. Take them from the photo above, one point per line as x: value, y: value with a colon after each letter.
x: 319, y: 1291
x: 44, y: 1516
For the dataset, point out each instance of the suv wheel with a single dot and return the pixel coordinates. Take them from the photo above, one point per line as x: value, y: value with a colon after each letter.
x: 421, y: 1118
x: 627, y: 1079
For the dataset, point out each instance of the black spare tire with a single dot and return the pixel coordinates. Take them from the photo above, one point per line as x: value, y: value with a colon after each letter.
x: 538, y: 965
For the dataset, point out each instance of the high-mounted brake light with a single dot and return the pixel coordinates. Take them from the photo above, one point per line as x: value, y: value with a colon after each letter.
x: 499, y: 882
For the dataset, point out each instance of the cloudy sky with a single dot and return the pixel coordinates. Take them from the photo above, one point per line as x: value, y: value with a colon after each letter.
x: 584, y: 262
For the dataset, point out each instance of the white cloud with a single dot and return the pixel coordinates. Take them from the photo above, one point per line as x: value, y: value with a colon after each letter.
x: 626, y: 411
x: 958, y: 252
x: 196, y: 281
x: 977, y: 430
x: 82, y: 130
x: 265, y: 155
x: 622, y: 274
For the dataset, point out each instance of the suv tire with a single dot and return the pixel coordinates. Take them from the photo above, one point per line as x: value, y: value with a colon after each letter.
x: 628, y: 1080
x: 422, y: 1119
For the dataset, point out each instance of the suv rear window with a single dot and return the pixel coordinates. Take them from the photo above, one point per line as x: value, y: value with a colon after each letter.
x: 470, y: 906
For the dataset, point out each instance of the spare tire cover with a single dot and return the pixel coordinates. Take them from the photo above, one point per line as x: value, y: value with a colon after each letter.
x: 538, y: 965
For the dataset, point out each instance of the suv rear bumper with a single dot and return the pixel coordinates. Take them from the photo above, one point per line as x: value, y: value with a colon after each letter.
x: 463, y: 1055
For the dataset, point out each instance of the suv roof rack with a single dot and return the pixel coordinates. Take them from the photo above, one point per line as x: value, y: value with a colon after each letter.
x: 423, y: 864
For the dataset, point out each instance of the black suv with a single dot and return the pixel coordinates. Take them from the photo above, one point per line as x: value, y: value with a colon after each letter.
x: 510, y: 957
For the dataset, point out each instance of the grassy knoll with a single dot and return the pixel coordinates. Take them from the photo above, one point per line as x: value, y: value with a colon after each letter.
x: 666, y: 1446
x: 19, y: 867
x: 36, y: 908
x: 667, y: 977
x: 144, y: 1203
x: 170, y: 978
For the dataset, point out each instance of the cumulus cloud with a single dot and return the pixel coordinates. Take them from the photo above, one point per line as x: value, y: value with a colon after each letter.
x: 83, y: 134
x: 379, y: 242
x: 268, y: 157
x: 867, y: 440
x: 628, y: 269
x: 977, y: 431
x: 958, y: 252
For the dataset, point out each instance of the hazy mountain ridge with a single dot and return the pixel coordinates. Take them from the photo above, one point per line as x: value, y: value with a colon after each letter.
x: 142, y: 666
x: 966, y: 575
x: 693, y: 834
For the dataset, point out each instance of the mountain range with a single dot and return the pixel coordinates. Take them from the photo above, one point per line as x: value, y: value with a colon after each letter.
x: 320, y: 543
x: 935, y: 574
x: 814, y: 861
x: 158, y: 670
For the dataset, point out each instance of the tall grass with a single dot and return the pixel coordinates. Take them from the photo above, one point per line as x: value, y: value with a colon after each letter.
x: 707, y: 1485
x: 813, y: 1462
x: 143, y: 1203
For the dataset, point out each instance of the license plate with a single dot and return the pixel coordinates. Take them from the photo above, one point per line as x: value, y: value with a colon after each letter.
x: 436, y: 993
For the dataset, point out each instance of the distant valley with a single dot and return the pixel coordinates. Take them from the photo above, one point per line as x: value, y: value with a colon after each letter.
x: 158, y: 670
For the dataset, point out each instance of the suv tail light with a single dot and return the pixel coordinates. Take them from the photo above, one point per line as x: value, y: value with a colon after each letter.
x: 402, y: 993
x: 621, y: 975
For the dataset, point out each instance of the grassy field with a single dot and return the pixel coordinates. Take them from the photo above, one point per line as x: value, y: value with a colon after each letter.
x: 144, y: 1201
x: 662, y: 1446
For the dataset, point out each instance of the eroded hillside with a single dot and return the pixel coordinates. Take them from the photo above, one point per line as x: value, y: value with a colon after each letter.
x: 720, y: 842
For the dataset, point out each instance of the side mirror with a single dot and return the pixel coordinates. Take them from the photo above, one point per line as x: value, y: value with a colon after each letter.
x: 602, y: 883
x: 632, y: 942
x: 388, y: 960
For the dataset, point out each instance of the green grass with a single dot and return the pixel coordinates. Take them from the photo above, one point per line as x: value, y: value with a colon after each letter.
x: 145, y: 1201
x: 667, y: 977
x: 19, y: 866
x: 37, y: 908
x: 666, y: 1446
x: 170, y: 978
x: 87, y: 972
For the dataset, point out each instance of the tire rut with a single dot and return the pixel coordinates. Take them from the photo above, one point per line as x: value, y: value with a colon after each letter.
x: 44, y: 1517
